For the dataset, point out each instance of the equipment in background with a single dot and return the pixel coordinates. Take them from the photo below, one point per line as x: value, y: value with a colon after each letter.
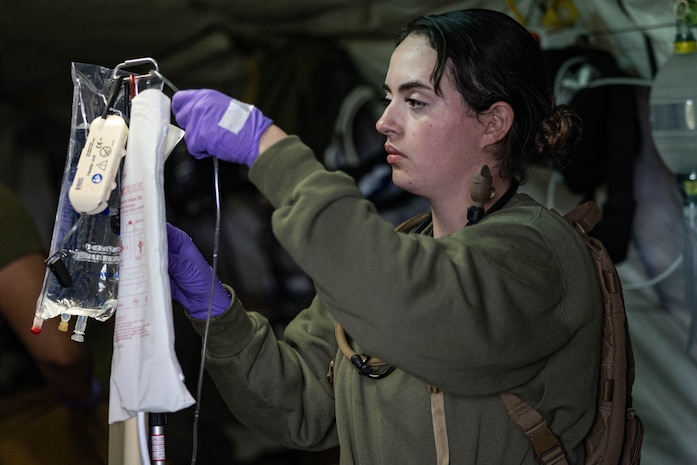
x: 590, y: 81
x: 673, y: 111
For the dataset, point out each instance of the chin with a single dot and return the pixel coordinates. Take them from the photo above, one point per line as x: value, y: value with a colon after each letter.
x: 403, y: 182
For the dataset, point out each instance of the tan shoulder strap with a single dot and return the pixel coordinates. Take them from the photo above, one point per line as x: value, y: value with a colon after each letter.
x: 366, y: 364
x: 584, y: 217
x: 440, y: 431
x: 363, y: 363
x: 544, y: 442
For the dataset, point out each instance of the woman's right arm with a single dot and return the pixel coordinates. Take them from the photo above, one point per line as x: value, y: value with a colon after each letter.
x: 276, y: 387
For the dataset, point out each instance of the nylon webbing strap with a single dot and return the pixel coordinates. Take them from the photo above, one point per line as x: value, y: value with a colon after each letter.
x: 440, y: 432
x: 346, y: 348
x: 544, y: 442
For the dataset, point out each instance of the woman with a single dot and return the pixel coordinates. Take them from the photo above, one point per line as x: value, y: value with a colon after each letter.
x: 510, y: 303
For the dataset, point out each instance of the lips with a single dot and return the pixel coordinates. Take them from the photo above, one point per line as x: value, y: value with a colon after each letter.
x: 392, y: 151
x: 393, y: 155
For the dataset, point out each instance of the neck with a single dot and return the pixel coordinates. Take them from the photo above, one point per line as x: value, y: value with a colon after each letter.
x: 451, y: 216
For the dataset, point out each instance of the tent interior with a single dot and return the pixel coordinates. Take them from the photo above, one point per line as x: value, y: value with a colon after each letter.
x: 316, y: 68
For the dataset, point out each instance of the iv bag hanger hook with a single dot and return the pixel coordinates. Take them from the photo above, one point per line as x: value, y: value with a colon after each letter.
x: 136, y: 62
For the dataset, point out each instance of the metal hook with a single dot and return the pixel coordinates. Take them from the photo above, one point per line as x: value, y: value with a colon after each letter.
x: 154, y: 72
x: 135, y: 62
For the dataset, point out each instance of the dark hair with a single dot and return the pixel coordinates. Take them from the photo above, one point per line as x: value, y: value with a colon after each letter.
x: 493, y: 58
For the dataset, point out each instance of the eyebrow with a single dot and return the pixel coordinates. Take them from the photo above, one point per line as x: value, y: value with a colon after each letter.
x: 409, y: 85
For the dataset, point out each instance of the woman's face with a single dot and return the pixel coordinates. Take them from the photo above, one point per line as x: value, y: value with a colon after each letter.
x: 433, y: 140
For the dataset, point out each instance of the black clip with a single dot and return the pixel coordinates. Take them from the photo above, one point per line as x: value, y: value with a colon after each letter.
x: 60, y: 271
x: 361, y: 364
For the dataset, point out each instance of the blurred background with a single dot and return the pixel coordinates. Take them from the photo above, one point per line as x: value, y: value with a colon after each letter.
x: 316, y: 67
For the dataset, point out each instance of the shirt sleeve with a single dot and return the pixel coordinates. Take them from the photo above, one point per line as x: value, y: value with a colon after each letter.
x: 276, y: 387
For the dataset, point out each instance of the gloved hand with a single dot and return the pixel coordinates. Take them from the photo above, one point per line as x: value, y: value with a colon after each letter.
x: 220, y: 126
x: 190, y: 277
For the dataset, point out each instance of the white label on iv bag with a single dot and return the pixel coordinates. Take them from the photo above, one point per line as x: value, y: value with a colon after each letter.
x: 99, y: 161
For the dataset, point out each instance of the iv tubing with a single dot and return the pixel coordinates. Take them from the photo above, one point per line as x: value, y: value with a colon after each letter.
x: 143, y: 439
x: 71, y: 231
x: 633, y: 286
x: 216, y: 244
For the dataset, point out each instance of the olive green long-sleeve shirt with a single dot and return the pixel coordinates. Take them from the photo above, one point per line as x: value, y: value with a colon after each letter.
x: 509, y: 304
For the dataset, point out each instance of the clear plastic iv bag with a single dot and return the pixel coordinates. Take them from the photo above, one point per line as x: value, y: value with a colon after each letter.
x: 83, y: 264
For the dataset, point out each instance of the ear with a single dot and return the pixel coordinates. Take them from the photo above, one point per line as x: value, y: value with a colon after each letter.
x: 498, y: 120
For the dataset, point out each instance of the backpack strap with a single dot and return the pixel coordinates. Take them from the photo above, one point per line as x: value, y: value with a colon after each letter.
x: 584, y: 217
x: 440, y: 432
x: 546, y: 445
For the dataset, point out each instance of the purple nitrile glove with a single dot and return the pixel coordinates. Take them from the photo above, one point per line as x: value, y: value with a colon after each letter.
x: 190, y: 277
x: 220, y: 126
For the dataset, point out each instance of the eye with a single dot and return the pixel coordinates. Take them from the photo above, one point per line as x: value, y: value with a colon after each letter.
x: 385, y: 101
x: 414, y: 104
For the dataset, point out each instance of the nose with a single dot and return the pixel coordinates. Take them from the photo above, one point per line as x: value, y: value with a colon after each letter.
x: 385, y: 125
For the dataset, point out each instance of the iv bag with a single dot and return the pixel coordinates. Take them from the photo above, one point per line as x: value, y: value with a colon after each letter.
x: 145, y: 373
x: 83, y: 273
